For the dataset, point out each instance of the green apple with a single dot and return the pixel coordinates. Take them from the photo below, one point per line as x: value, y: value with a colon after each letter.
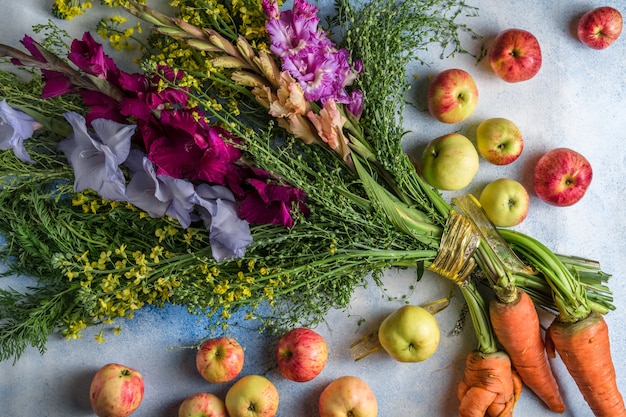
x: 449, y: 162
x: 409, y: 334
x: 499, y: 140
x: 452, y: 96
x: 505, y: 202
x: 252, y: 396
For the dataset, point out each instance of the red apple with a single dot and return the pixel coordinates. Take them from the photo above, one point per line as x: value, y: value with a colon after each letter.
x: 452, y: 96
x: 561, y: 177
x: 252, y: 396
x: 515, y: 55
x: 348, y: 396
x: 202, y: 404
x: 600, y: 27
x: 116, y: 391
x: 301, y: 354
x: 220, y: 359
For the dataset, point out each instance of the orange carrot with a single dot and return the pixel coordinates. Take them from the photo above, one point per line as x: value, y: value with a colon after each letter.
x: 489, y: 386
x: 516, y: 326
x: 585, y: 350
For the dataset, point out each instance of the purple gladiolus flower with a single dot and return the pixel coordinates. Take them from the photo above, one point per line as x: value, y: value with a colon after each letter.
x: 95, y: 157
x: 15, y: 127
x: 322, y: 70
x: 228, y: 234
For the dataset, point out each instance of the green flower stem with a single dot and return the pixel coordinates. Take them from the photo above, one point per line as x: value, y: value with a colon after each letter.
x: 569, y: 295
x: 480, y: 318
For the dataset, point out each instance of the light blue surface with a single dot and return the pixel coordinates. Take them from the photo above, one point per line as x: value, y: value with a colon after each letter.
x: 577, y: 100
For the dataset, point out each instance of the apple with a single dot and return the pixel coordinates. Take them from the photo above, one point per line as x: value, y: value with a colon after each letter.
x: 202, y: 404
x: 499, y: 140
x: 348, y: 396
x: 301, y: 354
x: 252, y: 396
x: 561, y: 177
x: 220, y: 359
x: 452, y: 96
x: 600, y: 27
x: 449, y: 162
x: 505, y: 202
x: 515, y: 55
x: 116, y: 391
x: 409, y: 334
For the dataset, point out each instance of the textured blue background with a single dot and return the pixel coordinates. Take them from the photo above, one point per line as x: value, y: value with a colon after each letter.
x: 577, y: 100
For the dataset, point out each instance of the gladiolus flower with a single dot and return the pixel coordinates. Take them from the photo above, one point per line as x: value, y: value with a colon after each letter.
x: 96, y: 157
x: 228, y: 234
x: 329, y: 124
x: 15, y: 127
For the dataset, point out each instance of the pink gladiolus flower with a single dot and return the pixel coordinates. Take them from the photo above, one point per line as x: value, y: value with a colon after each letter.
x: 329, y: 124
x: 289, y: 98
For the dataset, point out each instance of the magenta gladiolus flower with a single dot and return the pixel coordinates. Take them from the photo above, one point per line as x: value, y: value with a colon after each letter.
x: 89, y: 56
x: 264, y: 200
x: 183, y: 147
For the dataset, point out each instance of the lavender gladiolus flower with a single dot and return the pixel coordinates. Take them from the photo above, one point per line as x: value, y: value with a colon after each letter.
x: 158, y: 195
x: 228, y: 234
x: 15, y: 127
x: 96, y: 156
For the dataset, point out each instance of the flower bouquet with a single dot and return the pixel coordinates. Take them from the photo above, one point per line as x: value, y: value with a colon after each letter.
x: 254, y: 165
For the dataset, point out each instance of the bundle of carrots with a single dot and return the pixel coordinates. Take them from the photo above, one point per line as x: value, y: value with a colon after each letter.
x: 579, y: 333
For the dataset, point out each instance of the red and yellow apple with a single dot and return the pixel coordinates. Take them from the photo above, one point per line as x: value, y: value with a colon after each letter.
x: 116, y: 391
x: 348, y: 396
x: 561, y: 177
x: 505, y: 201
x: 301, y: 354
x: 600, y: 27
x: 409, y: 334
x: 252, y: 396
x: 220, y: 359
x: 202, y: 404
x: 499, y: 140
x: 449, y: 162
x: 452, y: 96
x: 515, y: 55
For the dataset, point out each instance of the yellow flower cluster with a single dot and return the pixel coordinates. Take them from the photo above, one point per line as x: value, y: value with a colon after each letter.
x: 120, y: 38
x: 69, y: 9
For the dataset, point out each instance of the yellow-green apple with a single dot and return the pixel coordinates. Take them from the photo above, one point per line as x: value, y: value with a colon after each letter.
x: 600, y: 27
x: 449, y: 162
x: 505, y: 201
x: 515, y: 55
x: 220, y: 359
x: 562, y: 176
x: 452, y: 96
x: 409, y: 334
x: 348, y: 396
x: 301, y: 354
x: 252, y: 396
x: 499, y: 140
x: 202, y: 404
x: 116, y: 391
